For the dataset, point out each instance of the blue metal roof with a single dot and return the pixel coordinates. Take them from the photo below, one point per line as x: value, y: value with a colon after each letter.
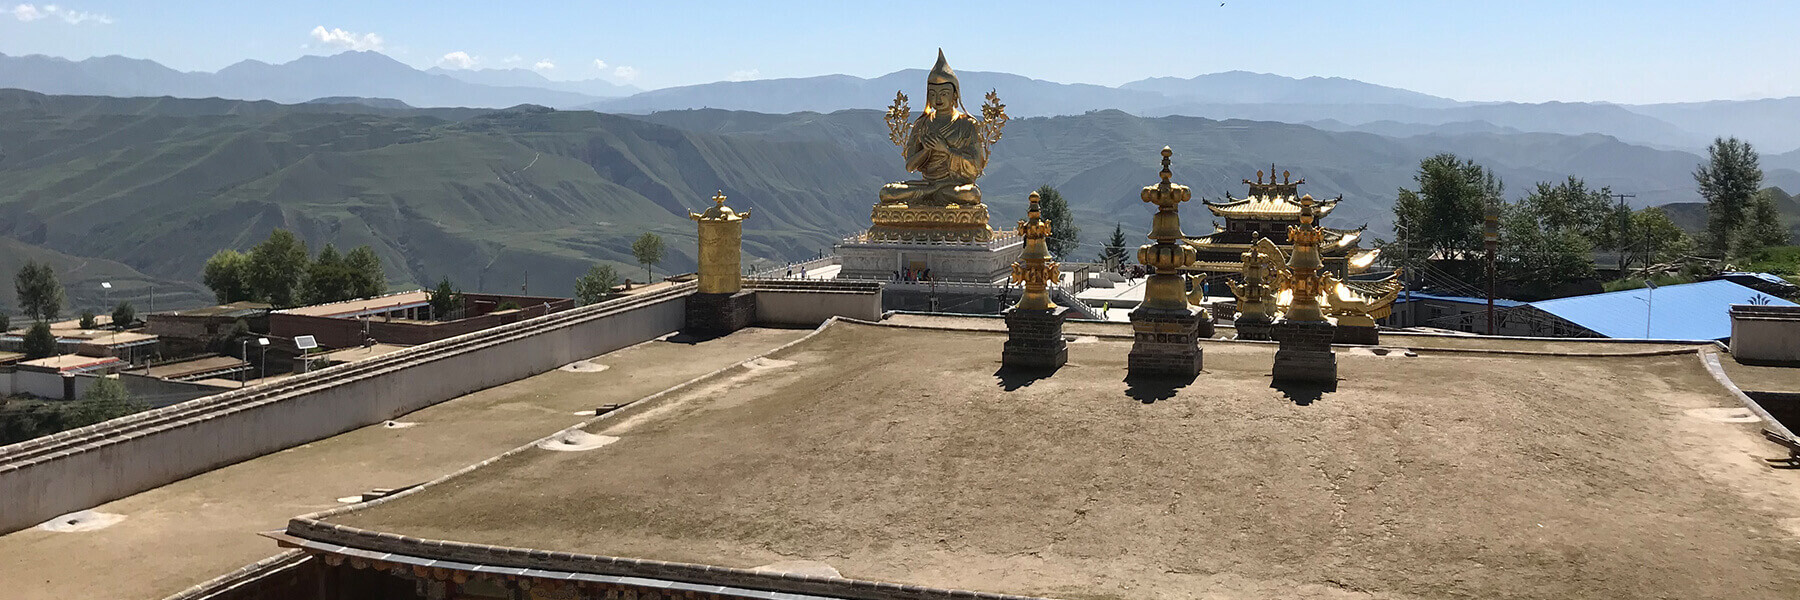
x: 1416, y: 296
x: 1688, y: 311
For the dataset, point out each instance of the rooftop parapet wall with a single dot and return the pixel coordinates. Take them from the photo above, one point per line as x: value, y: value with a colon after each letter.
x: 81, y: 468
x: 1768, y: 335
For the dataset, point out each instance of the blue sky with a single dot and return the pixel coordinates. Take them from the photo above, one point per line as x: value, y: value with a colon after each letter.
x: 1528, y: 51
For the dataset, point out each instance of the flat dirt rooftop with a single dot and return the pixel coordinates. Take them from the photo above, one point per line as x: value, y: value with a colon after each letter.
x: 900, y: 455
x: 187, y: 532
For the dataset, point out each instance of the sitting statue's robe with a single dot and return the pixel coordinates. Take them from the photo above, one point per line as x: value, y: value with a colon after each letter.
x: 947, y: 174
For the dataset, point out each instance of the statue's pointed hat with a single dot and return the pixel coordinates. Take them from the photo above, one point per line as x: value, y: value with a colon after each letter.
x: 941, y: 73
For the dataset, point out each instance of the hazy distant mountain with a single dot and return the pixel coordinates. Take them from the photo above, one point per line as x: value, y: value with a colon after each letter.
x: 1023, y: 96
x: 1772, y: 124
x: 354, y: 74
x: 1244, y: 87
x: 529, y: 78
x: 1398, y: 129
x: 388, y: 103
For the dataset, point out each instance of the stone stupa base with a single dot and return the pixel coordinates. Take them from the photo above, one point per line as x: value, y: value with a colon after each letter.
x: 720, y: 313
x: 1165, y: 343
x: 1034, y: 339
x: 1252, y: 327
x: 1305, y: 353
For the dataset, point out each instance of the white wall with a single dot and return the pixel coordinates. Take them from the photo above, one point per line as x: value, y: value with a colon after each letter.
x: 812, y: 307
x: 1765, y: 335
x: 32, y: 492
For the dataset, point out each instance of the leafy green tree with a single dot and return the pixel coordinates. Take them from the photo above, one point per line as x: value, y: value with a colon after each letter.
x: 1571, y: 206
x: 227, y: 274
x: 88, y: 321
x: 1728, y: 181
x: 277, y: 267
x: 648, y: 249
x: 39, y: 341
x: 1065, y: 237
x: 1537, y: 258
x: 1113, y: 253
x: 446, y: 301
x: 107, y: 399
x: 596, y: 285
x: 329, y: 278
x: 124, y: 314
x: 1657, y: 237
x: 1443, y: 217
x: 369, y: 278
x: 40, y: 295
x: 1763, y: 228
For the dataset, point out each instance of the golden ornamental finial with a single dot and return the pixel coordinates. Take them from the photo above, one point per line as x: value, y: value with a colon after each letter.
x: 719, y: 197
x: 1166, y: 174
x: 1034, y: 267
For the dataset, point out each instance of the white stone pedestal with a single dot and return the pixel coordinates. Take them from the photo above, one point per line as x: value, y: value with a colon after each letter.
x: 972, y: 262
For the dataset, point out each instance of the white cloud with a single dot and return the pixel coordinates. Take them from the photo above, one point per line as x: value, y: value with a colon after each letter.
x: 458, y: 60
x: 346, y: 39
x: 745, y: 75
x: 625, y: 73
x: 33, y: 12
x: 544, y: 65
x: 600, y: 64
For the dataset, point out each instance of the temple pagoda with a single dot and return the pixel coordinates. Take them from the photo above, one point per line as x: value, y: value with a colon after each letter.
x: 1268, y: 211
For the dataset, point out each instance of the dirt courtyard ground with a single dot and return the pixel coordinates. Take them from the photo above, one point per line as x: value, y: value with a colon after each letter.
x: 204, y: 526
x: 905, y: 456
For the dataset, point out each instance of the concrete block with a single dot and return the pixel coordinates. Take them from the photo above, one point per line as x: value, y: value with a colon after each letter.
x: 1165, y: 343
x: 1034, y: 339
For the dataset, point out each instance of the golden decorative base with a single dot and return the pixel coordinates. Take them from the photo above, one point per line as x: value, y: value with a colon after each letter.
x: 950, y: 223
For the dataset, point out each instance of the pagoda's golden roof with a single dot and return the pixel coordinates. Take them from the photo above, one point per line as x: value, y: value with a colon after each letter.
x: 1275, y: 207
x: 1334, y: 239
x: 1275, y: 200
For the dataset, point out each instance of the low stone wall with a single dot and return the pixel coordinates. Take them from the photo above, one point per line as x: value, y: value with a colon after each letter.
x: 1767, y: 335
x: 802, y: 303
x: 78, y: 469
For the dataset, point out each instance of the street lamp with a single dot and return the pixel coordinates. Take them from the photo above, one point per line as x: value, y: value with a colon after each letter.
x: 263, y: 357
x: 1649, y: 305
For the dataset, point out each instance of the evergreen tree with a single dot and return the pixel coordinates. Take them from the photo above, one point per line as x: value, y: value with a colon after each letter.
x: 1763, y: 227
x: 1065, y: 237
x: 648, y: 249
x: 1113, y: 254
x: 124, y: 314
x: 596, y: 284
x: 88, y: 321
x: 1728, y: 181
x: 5, y: 322
x: 39, y: 341
x: 369, y: 278
x: 227, y: 274
x: 1443, y: 217
x: 446, y: 301
x: 277, y: 268
x: 40, y: 295
x: 329, y: 278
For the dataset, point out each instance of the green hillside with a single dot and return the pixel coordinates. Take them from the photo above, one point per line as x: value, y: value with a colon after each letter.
x: 493, y: 198
x: 81, y: 279
x: 1691, y: 216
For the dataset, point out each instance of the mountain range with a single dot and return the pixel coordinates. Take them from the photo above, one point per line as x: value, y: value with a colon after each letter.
x: 495, y: 199
x: 1772, y: 124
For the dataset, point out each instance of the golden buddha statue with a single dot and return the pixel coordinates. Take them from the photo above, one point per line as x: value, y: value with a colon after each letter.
x: 944, y: 146
x: 948, y: 148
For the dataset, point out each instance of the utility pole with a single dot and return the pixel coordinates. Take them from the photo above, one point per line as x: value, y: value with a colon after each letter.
x: 1490, y: 235
x: 1624, y: 224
